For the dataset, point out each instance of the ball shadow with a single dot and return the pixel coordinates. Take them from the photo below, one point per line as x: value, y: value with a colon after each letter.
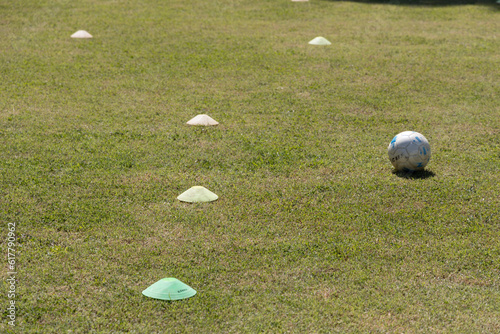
x: 414, y: 175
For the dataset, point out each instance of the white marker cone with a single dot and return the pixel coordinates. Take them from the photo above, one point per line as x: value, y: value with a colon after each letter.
x: 197, y: 194
x: 81, y: 34
x: 320, y: 41
x: 202, y: 120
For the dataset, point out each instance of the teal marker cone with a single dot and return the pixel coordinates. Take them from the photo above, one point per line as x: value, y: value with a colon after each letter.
x: 169, y: 288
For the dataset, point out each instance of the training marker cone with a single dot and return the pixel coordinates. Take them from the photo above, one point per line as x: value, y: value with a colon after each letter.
x: 169, y: 288
x: 202, y: 120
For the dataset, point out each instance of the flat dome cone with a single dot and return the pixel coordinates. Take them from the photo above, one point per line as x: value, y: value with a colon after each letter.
x: 169, y: 288
x: 197, y: 194
x: 81, y: 34
x: 202, y: 120
x: 319, y: 41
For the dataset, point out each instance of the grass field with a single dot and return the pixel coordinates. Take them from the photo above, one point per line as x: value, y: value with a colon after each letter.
x: 312, y: 232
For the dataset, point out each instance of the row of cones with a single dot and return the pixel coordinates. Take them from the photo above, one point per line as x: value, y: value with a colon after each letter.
x: 316, y: 41
x: 170, y: 288
x: 199, y: 193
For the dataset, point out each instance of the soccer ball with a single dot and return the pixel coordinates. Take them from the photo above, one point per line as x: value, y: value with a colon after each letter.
x: 409, y: 151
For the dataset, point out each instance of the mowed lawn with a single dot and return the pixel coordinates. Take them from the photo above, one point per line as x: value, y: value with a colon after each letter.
x: 313, y: 232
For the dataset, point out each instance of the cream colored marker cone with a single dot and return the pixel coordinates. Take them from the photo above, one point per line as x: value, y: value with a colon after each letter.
x: 197, y: 194
x: 81, y: 34
x: 202, y: 119
x: 320, y: 41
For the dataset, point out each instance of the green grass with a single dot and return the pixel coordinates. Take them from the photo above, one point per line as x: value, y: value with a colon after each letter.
x: 312, y: 232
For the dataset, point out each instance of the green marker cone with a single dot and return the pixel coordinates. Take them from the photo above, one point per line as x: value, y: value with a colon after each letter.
x: 197, y: 194
x: 320, y: 41
x: 169, y: 288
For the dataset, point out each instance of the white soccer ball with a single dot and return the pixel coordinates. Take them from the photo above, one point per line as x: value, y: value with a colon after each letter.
x: 409, y: 151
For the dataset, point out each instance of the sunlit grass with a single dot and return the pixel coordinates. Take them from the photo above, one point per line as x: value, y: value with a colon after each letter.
x: 312, y: 231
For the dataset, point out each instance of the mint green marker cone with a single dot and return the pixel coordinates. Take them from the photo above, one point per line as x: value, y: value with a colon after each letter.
x: 197, y: 194
x: 169, y: 288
